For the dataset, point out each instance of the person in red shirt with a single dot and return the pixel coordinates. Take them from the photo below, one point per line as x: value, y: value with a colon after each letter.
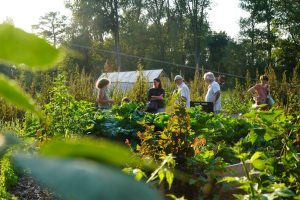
x: 261, y: 91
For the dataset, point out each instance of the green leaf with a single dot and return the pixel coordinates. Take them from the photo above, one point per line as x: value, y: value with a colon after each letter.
x: 285, y: 193
x: 270, y: 136
x: 230, y: 179
x: 82, y: 180
x: 172, y: 196
x: 139, y: 174
x: 252, y: 136
x: 98, y: 150
x: 255, y: 156
x: 11, y: 92
x: 259, y: 164
x: 161, y: 175
x: 19, y: 47
x: 169, y: 177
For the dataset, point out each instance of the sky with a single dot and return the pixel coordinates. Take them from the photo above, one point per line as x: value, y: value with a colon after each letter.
x: 223, y: 16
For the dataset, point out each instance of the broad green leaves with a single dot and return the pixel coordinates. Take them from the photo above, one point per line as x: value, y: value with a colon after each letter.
x: 19, y: 47
x: 164, y: 171
x: 14, y: 94
x: 257, y: 162
x: 81, y: 180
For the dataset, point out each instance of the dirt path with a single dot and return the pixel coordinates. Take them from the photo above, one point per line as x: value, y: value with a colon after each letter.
x: 27, y: 188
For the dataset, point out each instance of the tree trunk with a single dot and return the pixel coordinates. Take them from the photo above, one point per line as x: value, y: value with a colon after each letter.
x: 117, y: 35
x: 252, y: 42
x: 197, y: 32
x: 269, y: 34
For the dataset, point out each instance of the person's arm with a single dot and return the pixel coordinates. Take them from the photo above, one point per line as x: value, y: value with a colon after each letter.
x: 160, y: 97
x: 184, y: 92
x: 157, y: 97
x: 218, y: 94
x: 217, y: 91
x: 252, y: 91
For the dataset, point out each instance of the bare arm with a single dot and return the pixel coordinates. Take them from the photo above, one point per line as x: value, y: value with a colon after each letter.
x: 252, y: 90
x: 218, y: 94
x: 157, y: 97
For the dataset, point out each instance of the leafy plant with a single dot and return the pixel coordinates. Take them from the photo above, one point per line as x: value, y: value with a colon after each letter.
x: 69, y: 173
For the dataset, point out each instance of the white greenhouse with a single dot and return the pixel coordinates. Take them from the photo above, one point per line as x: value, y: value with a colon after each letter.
x: 126, y: 80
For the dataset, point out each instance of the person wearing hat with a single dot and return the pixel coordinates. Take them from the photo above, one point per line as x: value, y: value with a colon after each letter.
x: 183, y: 89
x: 213, y: 93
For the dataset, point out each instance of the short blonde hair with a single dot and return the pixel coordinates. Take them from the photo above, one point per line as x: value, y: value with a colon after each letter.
x: 102, y: 82
x: 209, y: 76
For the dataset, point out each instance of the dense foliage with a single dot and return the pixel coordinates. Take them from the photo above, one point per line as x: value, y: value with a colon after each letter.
x: 183, y: 152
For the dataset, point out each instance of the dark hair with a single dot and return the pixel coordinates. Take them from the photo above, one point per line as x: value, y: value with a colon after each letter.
x: 126, y: 100
x: 158, y: 80
x: 264, y: 78
x: 102, y: 82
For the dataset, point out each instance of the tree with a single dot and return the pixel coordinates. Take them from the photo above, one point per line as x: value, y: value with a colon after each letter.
x: 248, y: 27
x: 197, y: 15
x: 217, y: 45
x: 262, y: 14
x: 156, y: 12
x: 51, y: 26
x: 8, y: 20
x: 273, y: 28
x: 102, y: 18
x: 134, y: 32
x: 288, y: 19
x: 266, y: 14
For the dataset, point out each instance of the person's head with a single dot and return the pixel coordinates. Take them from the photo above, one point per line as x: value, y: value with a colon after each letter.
x: 157, y: 83
x: 178, y: 79
x: 209, y: 77
x: 101, y: 83
x: 125, y: 100
x: 264, y: 79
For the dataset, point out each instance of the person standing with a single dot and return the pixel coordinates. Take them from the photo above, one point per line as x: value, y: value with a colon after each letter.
x: 213, y: 92
x: 183, y: 89
x: 261, y: 91
x: 156, y: 97
x: 103, y: 101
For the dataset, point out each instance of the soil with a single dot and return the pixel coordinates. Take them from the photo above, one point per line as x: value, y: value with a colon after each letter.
x: 28, y: 189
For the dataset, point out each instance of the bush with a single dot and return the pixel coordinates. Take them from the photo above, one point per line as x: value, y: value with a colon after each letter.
x: 8, y: 177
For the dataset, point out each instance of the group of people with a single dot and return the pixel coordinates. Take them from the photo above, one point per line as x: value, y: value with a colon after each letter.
x: 156, y: 94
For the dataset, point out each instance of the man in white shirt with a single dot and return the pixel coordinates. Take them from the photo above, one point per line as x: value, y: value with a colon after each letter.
x: 213, y: 93
x: 183, y: 89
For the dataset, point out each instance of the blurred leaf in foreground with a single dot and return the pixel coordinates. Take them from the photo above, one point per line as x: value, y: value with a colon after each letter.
x: 102, y: 151
x: 14, y: 94
x: 6, y: 140
x: 84, y: 180
x: 19, y: 47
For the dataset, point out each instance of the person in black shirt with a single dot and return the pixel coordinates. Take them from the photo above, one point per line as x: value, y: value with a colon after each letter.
x: 156, y: 97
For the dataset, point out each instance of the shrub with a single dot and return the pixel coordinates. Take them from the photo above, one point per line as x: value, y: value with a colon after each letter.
x: 8, y: 177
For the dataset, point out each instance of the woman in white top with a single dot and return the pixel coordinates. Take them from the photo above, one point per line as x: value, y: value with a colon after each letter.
x: 213, y: 93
